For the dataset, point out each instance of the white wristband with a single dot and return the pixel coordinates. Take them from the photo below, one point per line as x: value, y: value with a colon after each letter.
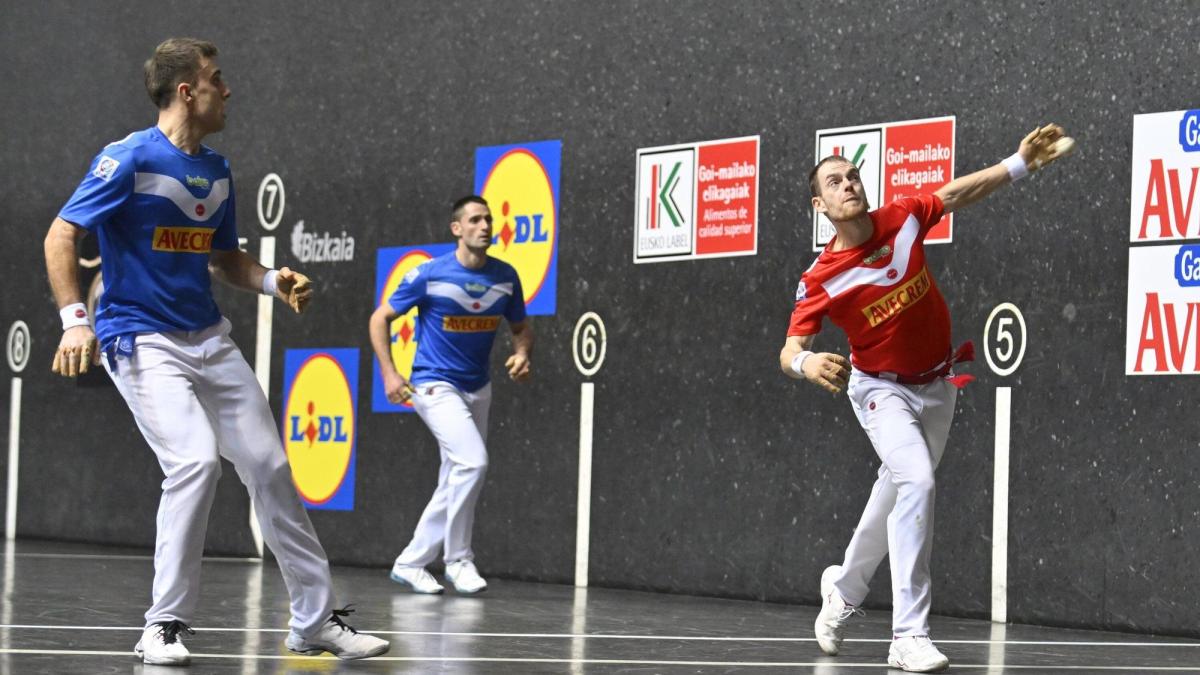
x: 270, y: 282
x: 1016, y: 167
x: 798, y: 362
x: 74, y: 315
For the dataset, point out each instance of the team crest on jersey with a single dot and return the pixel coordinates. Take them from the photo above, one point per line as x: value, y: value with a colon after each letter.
x: 801, y: 292
x: 883, y: 252
x: 197, y: 181
x: 105, y: 168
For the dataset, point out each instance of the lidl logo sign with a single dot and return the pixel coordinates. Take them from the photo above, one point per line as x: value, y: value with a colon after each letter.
x: 391, y: 264
x: 521, y: 185
x: 319, y: 425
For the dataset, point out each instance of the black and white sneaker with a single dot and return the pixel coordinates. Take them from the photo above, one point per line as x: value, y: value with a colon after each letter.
x: 337, y: 638
x: 160, y: 644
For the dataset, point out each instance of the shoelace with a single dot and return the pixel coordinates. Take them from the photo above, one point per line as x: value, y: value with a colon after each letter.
x: 336, y: 618
x: 169, y: 630
x: 848, y: 612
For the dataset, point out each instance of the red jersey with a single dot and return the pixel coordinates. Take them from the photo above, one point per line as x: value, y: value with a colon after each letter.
x: 881, y: 293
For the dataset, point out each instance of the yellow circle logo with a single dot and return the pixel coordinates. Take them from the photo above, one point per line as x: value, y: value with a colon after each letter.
x: 403, y: 330
x: 319, y: 435
x: 521, y: 198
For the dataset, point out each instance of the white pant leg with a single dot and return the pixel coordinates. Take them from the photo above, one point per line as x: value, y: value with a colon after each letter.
x: 157, y: 384
x: 458, y: 422
x: 429, y: 537
x: 247, y: 435
x: 908, y: 426
x: 869, y: 544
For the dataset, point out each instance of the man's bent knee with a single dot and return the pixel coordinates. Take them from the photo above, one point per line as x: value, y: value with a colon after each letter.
x: 204, y: 471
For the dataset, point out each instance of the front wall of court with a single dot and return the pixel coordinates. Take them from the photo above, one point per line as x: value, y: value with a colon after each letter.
x: 713, y: 473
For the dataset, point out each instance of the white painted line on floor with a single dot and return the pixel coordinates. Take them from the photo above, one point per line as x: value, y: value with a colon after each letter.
x: 1000, y: 507
x: 602, y: 636
x: 583, y: 506
x: 14, y: 456
x: 115, y: 556
x: 622, y: 662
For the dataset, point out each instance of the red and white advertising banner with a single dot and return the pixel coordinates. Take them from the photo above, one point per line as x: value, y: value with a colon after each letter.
x: 698, y: 200
x: 1162, y: 329
x: 894, y: 159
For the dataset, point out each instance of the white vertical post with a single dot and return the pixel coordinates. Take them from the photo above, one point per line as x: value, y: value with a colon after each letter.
x: 252, y: 617
x: 14, y: 456
x: 262, y: 356
x: 583, y: 510
x: 578, y: 630
x: 996, y: 648
x: 1000, y: 507
x: 266, y: 312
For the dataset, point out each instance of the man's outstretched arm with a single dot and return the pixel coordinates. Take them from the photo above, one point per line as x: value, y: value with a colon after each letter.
x: 1036, y: 150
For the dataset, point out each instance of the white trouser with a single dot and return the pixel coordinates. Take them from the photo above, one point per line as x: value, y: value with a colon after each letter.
x: 458, y: 421
x: 908, y: 425
x: 193, y: 396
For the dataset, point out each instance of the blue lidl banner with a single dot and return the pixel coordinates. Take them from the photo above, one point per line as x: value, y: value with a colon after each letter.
x: 320, y: 397
x: 391, y: 264
x: 521, y: 185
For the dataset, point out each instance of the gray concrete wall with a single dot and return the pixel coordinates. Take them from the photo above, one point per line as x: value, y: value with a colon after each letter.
x: 714, y: 474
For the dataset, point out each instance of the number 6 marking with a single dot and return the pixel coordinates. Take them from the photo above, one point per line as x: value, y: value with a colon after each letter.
x: 586, y: 348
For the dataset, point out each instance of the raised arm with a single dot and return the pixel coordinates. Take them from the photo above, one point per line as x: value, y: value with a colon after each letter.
x: 1040, y: 147
x: 827, y: 370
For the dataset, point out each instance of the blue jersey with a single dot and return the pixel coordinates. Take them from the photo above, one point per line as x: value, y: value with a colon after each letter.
x: 458, y: 312
x: 158, y: 211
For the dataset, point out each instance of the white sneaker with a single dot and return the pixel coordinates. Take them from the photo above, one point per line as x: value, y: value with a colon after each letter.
x: 465, y: 577
x: 417, y: 578
x: 834, y: 614
x: 338, y: 639
x: 916, y: 654
x: 160, y: 644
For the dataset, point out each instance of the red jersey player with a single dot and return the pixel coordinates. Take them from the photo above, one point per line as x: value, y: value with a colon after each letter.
x: 872, y: 281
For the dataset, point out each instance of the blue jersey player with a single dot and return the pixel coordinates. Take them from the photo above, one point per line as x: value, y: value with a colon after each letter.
x: 162, y: 207
x: 460, y: 298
